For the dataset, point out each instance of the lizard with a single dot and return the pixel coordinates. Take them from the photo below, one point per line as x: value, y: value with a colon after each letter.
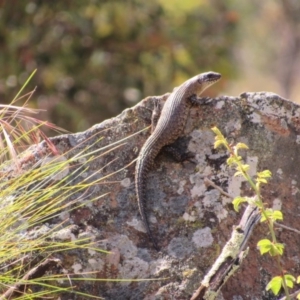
x: 166, y: 128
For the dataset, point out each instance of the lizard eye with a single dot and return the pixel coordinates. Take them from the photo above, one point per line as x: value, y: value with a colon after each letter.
x: 211, y: 77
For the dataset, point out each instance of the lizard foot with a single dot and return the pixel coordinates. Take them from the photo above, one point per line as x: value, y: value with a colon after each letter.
x: 177, y: 156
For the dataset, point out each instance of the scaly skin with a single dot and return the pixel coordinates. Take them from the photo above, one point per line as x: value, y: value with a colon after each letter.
x: 169, y: 127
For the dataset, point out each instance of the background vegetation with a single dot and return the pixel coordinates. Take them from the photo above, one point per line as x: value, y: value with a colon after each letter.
x: 96, y: 57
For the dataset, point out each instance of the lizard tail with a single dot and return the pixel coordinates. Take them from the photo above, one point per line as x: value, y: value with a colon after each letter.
x: 142, y: 169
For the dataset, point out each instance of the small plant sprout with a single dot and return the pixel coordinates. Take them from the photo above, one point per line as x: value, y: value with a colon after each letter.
x: 268, y: 215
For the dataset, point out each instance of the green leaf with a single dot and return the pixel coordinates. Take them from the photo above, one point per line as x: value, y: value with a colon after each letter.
x: 262, y: 180
x: 271, y: 215
x: 216, y: 131
x: 276, y: 249
x: 266, y: 215
x: 277, y: 215
x: 218, y: 143
x: 259, y: 204
x: 238, y: 158
x: 298, y: 279
x: 289, y: 280
x: 238, y: 173
x: 245, y: 168
x: 264, y: 246
x: 257, y: 185
x: 298, y: 296
x: 264, y: 174
x: 241, y: 169
x: 237, y: 201
x: 241, y: 146
x: 230, y: 161
x: 275, y: 285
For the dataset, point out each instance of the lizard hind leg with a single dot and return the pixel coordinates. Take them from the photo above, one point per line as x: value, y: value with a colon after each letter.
x: 177, y: 155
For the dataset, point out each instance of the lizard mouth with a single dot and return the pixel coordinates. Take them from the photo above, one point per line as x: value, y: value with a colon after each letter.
x: 212, y: 77
x: 208, y: 79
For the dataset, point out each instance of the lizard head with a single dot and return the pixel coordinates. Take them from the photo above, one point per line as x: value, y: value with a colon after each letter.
x: 204, y: 80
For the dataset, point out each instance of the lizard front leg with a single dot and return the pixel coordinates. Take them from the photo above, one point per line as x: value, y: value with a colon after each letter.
x: 155, y: 114
x: 199, y: 101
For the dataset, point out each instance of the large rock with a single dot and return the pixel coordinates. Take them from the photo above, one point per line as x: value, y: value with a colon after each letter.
x: 190, y: 220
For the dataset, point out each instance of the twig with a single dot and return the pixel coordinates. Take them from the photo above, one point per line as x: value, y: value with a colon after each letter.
x: 36, y: 272
x: 287, y: 227
x: 211, y: 183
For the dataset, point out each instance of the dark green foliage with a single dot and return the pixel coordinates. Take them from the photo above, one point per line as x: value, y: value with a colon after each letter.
x: 94, y: 58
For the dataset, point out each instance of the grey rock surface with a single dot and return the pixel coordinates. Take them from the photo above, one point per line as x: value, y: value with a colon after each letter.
x: 190, y: 220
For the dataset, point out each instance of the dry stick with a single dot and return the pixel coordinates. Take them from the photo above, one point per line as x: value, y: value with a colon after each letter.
x: 36, y: 272
x: 286, y: 227
x: 211, y: 183
x: 292, y: 296
x: 230, y: 258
